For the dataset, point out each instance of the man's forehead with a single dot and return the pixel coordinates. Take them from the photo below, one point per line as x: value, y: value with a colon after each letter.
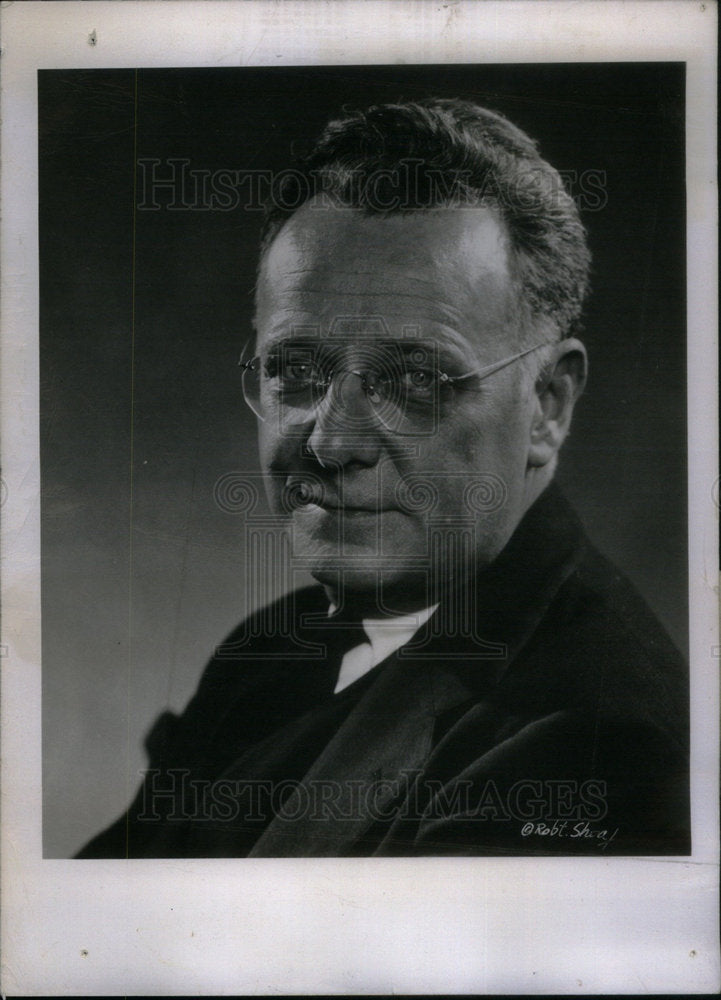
x: 328, y: 236
x: 445, y: 262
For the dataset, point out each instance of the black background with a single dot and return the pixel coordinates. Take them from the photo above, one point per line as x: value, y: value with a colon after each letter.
x: 142, y: 318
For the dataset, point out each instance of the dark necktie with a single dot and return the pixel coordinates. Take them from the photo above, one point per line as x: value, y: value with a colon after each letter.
x: 341, y: 634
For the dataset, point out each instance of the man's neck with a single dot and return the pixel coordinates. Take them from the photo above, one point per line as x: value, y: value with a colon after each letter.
x: 385, y: 601
x: 537, y: 479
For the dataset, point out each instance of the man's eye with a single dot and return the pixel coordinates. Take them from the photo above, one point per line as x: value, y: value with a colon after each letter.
x: 298, y: 372
x: 419, y: 380
x: 289, y: 372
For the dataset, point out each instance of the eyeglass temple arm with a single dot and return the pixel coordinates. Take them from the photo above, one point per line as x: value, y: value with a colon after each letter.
x: 478, y: 373
x: 496, y: 366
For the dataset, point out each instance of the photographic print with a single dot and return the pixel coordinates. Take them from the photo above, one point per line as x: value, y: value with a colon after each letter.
x: 360, y: 498
x: 414, y: 645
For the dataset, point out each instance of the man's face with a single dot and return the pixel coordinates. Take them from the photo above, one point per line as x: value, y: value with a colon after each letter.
x: 383, y: 504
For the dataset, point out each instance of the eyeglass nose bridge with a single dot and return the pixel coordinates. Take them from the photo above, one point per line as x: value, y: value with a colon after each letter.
x: 381, y: 411
x: 329, y: 404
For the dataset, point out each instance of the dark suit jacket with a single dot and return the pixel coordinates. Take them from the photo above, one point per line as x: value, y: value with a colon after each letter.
x: 555, y: 722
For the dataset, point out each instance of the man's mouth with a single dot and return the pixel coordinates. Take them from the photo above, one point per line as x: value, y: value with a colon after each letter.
x: 301, y: 494
x: 348, y: 509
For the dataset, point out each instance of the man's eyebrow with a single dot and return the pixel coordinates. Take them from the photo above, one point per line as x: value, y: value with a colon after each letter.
x: 273, y: 343
x: 438, y: 351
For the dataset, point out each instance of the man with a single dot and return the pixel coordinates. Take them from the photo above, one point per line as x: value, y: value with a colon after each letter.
x: 470, y: 676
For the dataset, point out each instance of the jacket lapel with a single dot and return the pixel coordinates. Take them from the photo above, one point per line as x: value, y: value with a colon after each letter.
x: 370, y: 761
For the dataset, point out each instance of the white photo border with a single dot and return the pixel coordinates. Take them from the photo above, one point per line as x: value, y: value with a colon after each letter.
x: 516, y: 926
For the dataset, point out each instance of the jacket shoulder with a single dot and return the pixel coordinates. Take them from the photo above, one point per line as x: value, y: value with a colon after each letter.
x: 600, y: 650
x: 264, y: 646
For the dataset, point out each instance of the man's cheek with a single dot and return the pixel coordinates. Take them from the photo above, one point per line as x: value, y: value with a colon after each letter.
x: 272, y: 457
x: 282, y: 453
x: 273, y: 491
x: 271, y: 445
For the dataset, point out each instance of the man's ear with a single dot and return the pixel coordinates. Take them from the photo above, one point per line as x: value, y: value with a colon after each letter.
x: 556, y: 395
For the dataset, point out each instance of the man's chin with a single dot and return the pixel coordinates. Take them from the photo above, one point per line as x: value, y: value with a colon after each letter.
x: 362, y: 580
x: 383, y: 591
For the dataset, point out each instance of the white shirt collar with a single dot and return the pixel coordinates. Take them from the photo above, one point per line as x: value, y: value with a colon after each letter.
x: 385, y: 636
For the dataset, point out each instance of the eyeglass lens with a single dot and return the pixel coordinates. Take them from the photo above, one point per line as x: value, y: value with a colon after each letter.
x: 397, y: 384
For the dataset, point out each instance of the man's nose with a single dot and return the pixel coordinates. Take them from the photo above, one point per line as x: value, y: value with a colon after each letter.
x: 345, y: 428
